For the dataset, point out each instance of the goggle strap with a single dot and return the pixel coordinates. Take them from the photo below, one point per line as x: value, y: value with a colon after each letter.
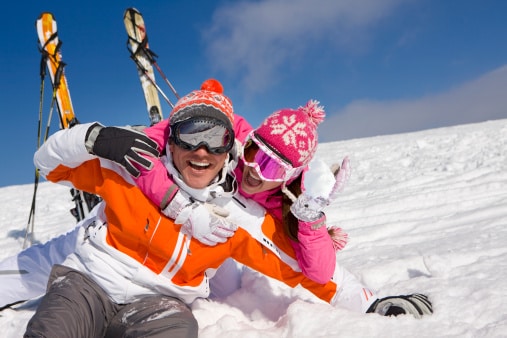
x: 274, y: 151
x: 288, y: 193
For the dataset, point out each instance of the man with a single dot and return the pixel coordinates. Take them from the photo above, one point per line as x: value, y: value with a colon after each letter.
x: 129, y: 266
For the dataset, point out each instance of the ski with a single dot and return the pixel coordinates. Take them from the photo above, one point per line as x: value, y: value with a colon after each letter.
x: 50, y: 48
x: 51, y: 60
x: 145, y: 60
x: 137, y: 45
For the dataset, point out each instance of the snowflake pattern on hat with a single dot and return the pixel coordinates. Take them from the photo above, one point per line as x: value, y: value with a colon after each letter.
x: 293, y: 133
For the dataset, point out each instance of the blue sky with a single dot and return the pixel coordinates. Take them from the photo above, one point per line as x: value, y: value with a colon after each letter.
x: 378, y: 66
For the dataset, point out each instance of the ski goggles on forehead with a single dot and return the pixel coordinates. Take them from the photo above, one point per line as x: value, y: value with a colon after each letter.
x: 268, y: 165
x: 194, y: 133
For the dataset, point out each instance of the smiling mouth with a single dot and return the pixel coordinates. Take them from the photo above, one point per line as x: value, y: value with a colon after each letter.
x: 199, y: 165
x: 252, y: 180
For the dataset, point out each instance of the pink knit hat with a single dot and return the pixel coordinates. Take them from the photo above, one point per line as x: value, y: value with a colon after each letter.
x: 293, y: 133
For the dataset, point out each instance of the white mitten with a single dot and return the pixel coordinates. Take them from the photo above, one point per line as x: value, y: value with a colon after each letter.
x: 204, y: 221
x: 207, y: 223
x: 320, y: 188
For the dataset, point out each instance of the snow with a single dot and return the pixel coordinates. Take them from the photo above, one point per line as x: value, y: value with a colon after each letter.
x: 425, y: 211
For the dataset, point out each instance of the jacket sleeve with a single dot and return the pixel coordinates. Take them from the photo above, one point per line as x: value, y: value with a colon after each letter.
x: 315, y: 253
x: 159, y: 133
x: 63, y: 159
x: 155, y: 183
x: 241, y: 128
x: 64, y: 149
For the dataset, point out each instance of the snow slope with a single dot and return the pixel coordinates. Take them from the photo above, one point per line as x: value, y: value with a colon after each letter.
x: 425, y: 212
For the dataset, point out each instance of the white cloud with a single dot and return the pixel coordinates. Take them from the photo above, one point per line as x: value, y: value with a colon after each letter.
x: 478, y: 100
x: 252, y: 40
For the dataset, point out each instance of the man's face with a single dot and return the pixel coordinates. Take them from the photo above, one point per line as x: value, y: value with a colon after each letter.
x: 198, y: 167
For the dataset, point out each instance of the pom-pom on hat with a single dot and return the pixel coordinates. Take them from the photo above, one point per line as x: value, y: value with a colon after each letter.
x: 292, y: 133
x: 209, y: 101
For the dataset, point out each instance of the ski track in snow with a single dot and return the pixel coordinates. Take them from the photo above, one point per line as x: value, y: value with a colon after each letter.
x: 425, y: 212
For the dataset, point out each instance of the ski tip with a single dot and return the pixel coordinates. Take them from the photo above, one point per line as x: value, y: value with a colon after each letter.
x: 47, y: 14
x: 131, y: 10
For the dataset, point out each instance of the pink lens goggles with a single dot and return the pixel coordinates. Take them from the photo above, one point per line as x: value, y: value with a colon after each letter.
x: 266, y: 163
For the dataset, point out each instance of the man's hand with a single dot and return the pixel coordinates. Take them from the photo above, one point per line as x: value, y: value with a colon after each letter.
x: 121, y: 145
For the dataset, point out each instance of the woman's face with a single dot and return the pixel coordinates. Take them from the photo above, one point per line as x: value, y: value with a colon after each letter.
x: 253, y: 184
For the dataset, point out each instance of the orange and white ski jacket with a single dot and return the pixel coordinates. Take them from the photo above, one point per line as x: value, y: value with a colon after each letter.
x: 131, y: 249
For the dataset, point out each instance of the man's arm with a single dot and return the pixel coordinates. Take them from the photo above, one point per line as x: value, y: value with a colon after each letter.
x: 63, y: 150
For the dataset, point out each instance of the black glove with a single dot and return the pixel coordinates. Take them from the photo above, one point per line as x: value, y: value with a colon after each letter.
x: 416, y: 305
x: 121, y: 145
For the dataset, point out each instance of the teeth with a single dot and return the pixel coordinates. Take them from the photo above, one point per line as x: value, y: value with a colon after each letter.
x: 253, y: 181
x: 200, y: 164
x: 252, y: 177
